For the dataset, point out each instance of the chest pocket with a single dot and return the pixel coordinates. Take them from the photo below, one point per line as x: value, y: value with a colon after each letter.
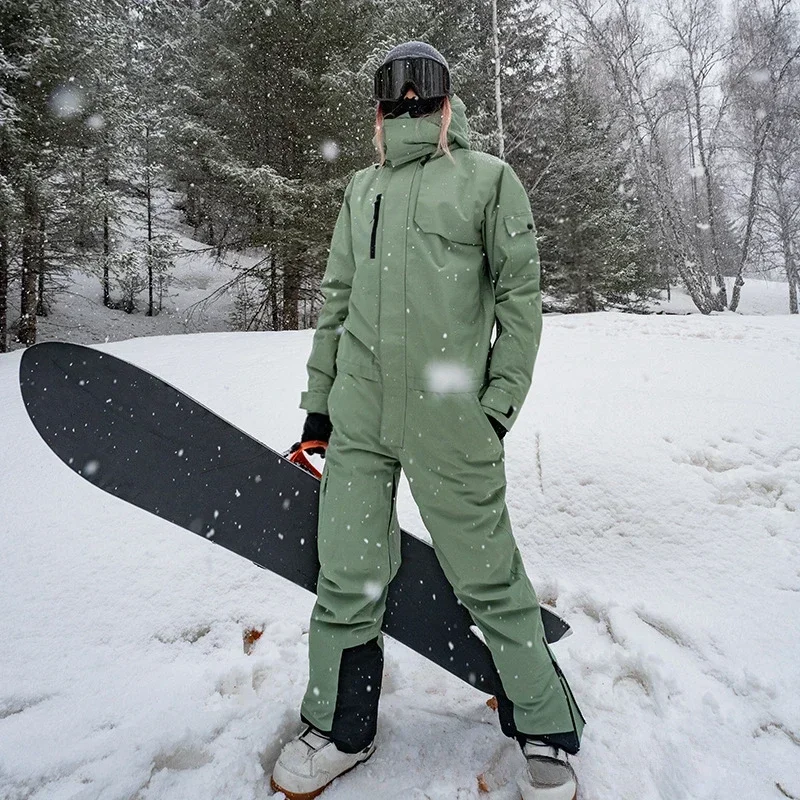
x: 450, y: 236
x: 446, y: 222
x: 446, y: 208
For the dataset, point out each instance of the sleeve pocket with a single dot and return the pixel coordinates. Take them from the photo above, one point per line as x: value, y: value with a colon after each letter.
x: 498, y: 401
x: 519, y: 223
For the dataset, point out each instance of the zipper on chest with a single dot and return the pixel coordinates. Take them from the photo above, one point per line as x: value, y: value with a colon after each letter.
x: 375, y: 217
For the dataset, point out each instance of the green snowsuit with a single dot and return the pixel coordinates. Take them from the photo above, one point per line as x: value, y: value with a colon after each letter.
x: 428, y: 255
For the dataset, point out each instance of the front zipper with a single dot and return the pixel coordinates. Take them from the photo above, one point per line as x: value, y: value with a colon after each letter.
x: 375, y: 214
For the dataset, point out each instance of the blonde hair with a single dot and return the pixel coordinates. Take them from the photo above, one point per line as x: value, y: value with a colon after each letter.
x: 447, y: 115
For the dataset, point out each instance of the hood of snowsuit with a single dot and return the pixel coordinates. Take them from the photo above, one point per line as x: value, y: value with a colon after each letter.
x: 407, y: 139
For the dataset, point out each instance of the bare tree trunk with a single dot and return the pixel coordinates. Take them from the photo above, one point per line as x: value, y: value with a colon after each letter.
x: 789, y: 264
x: 82, y: 234
x: 722, y: 293
x: 275, y: 305
x: 30, y: 261
x: 41, y: 305
x: 795, y: 298
x: 752, y: 205
x: 291, y: 297
x: 148, y: 188
x: 3, y: 284
x: 693, y: 162
x: 106, y: 239
x: 272, y: 294
x: 794, y: 291
x: 498, y: 100
x: 4, y: 252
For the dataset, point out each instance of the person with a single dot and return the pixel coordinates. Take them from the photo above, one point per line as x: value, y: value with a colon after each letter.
x: 434, y: 248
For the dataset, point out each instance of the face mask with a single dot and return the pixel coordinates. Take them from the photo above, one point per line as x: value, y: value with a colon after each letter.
x: 415, y: 106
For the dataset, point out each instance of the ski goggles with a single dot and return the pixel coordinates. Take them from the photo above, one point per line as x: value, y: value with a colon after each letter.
x: 428, y: 78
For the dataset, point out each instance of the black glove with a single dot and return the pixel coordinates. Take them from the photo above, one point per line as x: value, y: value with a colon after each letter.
x: 317, y: 428
x: 498, y: 427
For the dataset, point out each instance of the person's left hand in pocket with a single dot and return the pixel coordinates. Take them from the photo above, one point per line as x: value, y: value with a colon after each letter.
x: 498, y: 427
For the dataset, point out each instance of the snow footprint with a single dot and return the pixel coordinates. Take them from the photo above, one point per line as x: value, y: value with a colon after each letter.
x: 9, y: 706
x: 744, y: 473
x: 182, y: 757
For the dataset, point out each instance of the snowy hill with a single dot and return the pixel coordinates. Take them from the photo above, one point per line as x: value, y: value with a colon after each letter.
x: 654, y: 485
x: 202, y: 291
x: 78, y: 314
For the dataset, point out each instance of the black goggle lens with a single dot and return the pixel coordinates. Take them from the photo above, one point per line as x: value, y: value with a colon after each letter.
x: 428, y: 77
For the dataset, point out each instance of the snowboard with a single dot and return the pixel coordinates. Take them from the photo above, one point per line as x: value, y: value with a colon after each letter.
x: 142, y: 440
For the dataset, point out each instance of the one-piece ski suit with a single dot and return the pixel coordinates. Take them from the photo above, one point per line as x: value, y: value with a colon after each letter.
x: 429, y: 256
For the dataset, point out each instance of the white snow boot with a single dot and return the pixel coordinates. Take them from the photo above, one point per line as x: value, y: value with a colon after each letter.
x: 310, y: 762
x: 548, y: 775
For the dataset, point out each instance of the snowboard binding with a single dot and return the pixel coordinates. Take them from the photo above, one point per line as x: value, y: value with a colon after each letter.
x: 297, y: 455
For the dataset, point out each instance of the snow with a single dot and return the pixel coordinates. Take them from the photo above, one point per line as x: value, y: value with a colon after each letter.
x: 78, y: 314
x: 760, y: 296
x: 654, y: 486
x: 66, y: 102
x: 330, y: 150
x: 447, y: 376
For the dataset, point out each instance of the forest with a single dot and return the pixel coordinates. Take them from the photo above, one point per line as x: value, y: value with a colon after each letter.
x: 659, y: 142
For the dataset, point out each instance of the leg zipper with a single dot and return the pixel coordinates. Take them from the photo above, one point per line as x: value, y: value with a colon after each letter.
x: 565, y: 688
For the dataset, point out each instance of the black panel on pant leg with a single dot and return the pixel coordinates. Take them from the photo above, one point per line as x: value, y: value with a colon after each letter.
x: 567, y: 740
x: 505, y: 710
x: 563, y: 741
x: 355, y: 719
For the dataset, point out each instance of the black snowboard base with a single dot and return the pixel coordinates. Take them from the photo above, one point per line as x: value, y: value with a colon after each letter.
x: 142, y: 440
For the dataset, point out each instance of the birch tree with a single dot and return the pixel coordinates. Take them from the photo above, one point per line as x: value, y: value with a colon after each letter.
x: 763, y: 84
x: 699, y: 48
x: 626, y: 47
x: 498, y: 97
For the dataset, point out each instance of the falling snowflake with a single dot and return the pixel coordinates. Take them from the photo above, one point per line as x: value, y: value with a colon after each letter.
x: 330, y: 150
x: 373, y: 590
x: 760, y: 76
x: 66, y: 102
x: 447, y: 376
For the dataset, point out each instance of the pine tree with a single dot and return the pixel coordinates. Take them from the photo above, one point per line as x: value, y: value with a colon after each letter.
x: 275, y: 114
x: 591, y: 230
x: 30, y: 108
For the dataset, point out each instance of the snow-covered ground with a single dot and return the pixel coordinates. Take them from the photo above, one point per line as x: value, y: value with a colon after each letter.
x: 654, y: 484
x: 759, y: 296
x: 78, y: 313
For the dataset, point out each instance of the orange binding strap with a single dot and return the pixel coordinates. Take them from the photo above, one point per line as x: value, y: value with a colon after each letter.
x: 300, y: 458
